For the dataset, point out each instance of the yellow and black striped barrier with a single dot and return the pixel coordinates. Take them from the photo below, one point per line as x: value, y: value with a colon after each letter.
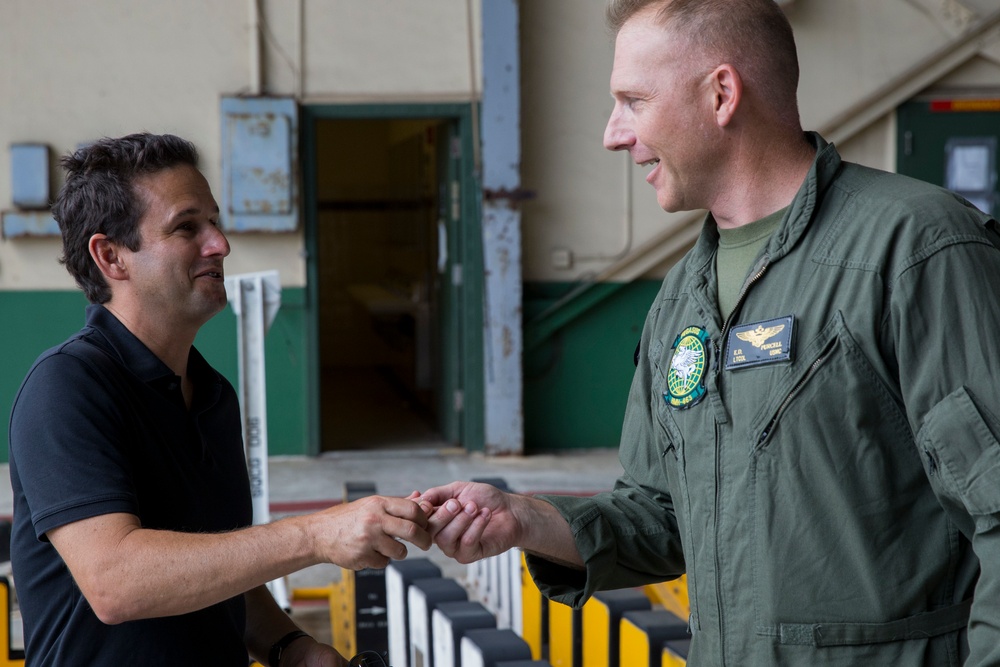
x: 9, y: 656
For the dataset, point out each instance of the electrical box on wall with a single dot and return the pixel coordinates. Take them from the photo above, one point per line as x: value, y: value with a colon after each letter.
x: 30, y: 192
x: 29, y: 168
x: 260, y: 190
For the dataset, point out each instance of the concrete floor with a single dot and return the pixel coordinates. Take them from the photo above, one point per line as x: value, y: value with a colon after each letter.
x: 303, y: 484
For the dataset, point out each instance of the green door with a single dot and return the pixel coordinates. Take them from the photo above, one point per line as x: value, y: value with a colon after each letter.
x: 952, y: 143
x: 450, y: 396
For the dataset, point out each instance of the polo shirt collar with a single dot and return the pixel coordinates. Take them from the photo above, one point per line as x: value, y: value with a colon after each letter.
x: 140, y: 360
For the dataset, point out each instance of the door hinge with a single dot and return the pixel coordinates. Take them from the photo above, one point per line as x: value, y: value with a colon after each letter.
x: 456, y: 147
x: 459, y: 400
x: 456, y: 200
x: 456, y: 275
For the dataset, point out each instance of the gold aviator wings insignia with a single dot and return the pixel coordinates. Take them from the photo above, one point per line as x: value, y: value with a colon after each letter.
x: 759, y: 336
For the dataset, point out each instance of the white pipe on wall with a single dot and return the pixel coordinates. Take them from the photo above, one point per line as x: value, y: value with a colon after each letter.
x: 256, y: 58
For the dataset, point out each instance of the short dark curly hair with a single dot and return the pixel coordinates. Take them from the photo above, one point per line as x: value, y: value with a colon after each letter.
x: 99, y: 197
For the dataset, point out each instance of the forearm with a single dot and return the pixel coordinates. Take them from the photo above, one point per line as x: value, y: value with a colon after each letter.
x: 127, y: 572
x: 266, y: 623
x: 545, y: 532
x: 150, y: 573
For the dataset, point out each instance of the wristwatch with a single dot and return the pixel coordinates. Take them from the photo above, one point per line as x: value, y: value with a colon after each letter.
x: 278, y: 647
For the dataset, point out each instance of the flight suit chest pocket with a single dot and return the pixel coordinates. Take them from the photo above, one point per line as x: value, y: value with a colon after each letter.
x: 832, y: 454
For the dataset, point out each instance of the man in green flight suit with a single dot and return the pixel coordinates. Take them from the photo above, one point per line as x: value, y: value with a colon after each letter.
x: 811, y: 433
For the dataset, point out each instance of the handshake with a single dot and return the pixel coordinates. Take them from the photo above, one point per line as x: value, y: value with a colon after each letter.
x: 468, y: 521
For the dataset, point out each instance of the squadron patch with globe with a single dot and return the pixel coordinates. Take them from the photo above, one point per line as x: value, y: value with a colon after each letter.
x: 686, y: 375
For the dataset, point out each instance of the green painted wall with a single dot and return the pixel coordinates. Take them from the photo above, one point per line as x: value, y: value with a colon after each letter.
x: 576, y: 383
x: 36, y: 321
x: 286, y: 358
x: 32, y: 323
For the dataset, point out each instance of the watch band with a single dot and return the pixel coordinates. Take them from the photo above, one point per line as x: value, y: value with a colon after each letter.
x: 278, y: 647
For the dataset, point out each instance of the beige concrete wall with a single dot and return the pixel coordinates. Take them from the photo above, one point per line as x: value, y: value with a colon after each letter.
x: 74, y: 71
x: 71, y: 71
x: 850, y: 50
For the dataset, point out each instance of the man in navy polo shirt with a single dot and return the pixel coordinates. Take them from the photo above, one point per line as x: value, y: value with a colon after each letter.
x: 132, y: 537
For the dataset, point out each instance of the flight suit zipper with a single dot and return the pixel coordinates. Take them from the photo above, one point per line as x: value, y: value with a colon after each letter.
x: 813, y: 367
x: 758, y: 273
x: 715, y: 551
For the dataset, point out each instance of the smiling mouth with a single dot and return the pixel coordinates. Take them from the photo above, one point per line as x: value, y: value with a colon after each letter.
x: 211, y: 274
x: 648, y: 163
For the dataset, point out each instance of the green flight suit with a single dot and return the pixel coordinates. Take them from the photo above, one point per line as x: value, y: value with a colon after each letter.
x: 830, y: 477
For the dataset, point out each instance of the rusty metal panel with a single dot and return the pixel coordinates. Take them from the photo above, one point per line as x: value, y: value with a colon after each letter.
x: 260, y: 164
x: 19, y: 224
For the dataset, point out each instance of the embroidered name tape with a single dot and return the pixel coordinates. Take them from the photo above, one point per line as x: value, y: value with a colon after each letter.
x: 760, y: 343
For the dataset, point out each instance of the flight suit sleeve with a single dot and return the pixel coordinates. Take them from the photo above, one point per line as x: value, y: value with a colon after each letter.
x: 946, y: 328
x: 627, y: 536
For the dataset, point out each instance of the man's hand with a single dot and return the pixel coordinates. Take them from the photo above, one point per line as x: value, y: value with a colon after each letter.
x: 470, y: 521
x: 368, y: 532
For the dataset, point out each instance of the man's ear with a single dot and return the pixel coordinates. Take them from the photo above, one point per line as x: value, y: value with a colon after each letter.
x: 107, y: 257
x: 727, y: 92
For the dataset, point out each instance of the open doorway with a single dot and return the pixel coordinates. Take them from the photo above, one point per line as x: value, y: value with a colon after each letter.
x: 379, y: 268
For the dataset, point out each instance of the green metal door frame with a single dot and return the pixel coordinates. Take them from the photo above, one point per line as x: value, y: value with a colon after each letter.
x: 448, y: 290
x: 471, y: 256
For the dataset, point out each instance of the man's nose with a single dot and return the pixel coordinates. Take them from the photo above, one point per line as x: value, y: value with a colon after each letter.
x: 216, y: 243
x: 617, y: 136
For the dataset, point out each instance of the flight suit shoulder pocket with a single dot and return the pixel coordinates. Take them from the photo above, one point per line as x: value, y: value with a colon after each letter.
x: 962, y: 451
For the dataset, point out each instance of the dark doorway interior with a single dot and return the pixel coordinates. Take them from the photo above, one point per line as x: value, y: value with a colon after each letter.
x: 377, y: 258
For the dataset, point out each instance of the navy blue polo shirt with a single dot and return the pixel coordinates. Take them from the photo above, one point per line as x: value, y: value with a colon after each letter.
x: 100, y: 426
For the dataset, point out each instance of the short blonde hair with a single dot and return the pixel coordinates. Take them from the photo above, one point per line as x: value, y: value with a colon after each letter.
x: 752, y: 35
